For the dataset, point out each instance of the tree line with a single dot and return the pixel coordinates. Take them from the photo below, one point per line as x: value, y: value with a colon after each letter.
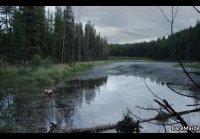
x: 28, y: 32
x: 187, y: 42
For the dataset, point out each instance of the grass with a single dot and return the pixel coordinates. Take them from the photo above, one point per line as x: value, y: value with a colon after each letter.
x: 28, y: 76
x: 129, y: 58
x: 195, y: 65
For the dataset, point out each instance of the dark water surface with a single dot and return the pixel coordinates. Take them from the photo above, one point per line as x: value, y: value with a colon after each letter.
x: 89, y: 103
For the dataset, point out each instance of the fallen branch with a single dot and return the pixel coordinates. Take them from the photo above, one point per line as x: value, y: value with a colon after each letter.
x: 91, y: 129
x: 113, y: 126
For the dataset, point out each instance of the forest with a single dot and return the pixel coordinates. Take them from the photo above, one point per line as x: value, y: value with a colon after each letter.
x: 187, y: 42
x: 29, y: 34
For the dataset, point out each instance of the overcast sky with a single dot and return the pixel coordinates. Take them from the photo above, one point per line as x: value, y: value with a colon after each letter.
x: 128, y: 24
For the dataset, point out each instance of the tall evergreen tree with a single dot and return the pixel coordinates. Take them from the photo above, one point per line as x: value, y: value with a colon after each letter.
x: 6, y: 17
x: 18, y: 39
x: 68, y: 44
x: 58, y: 33
x: 50, y: 35
x: 33, y: 18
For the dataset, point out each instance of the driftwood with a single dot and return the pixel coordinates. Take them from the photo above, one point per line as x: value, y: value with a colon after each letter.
x: 91, y: 129
x: 113, y: 126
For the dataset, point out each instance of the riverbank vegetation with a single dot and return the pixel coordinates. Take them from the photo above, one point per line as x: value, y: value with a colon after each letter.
x: 191, y: 65
x: 41, y: 75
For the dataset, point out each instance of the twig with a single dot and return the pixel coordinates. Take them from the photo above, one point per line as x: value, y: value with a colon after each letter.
x: 149, y: 109
x: 149, y: 120
x: 151, y: 91
x: 187, y: 72
x: 181, y: 93
x: 164, y: 15
x: 193, y: 105
x: 196, y: 9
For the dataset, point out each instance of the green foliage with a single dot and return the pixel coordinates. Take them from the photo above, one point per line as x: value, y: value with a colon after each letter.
x: 190, y: 65
x: 48, y: 61
x: 28, y: 76
x: 128, y: 125
x: 162, y: 117
x: 36, y: 60
x: 32, y: 32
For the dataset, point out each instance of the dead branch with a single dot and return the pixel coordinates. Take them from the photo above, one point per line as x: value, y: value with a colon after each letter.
x: 166, y: 105
x: 151, y: 91
x: 92, y: 129
x: 164, y: 15
x: 182, y: 94
x: 193, y: 105
x: 196, y: 9
x: 187, y: 72
x: 149, y: 108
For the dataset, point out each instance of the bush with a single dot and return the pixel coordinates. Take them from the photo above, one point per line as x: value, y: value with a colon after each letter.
x: 36, y: 60
x: 44, y: 81
x: 128, y: 125
x: 23, y: 71
x: 48, y: 61
x: 162, y: 117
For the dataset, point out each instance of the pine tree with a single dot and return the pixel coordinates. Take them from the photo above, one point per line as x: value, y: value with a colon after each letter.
x: 33, y: 18
x: 68, y: 44
x: 18, y: 39
x: 6, y: 18
x: 50, y: 35
x: 58, y: 33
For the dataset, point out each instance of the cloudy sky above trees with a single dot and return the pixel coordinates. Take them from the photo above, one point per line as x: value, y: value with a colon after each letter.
x: 128, y: 24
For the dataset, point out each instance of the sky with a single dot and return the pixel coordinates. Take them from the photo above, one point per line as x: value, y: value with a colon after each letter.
x: 130, y: 24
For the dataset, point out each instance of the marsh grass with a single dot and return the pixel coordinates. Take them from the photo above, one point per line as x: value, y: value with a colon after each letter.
x: 27, y: 76
x: 190, y: 65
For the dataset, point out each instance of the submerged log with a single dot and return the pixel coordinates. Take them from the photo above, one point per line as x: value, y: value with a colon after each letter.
x: 113, y: 126
x: 91, y: 129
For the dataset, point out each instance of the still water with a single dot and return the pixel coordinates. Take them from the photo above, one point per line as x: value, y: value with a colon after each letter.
x: 89, y: 103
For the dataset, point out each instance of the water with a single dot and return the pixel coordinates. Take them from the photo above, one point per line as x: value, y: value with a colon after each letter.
x: 89, y: 103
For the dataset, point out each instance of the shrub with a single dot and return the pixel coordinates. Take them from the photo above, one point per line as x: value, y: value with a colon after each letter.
x: 128, y: 125
x: 36, y: 60
x: 48, y: 61
x: 162, y: 117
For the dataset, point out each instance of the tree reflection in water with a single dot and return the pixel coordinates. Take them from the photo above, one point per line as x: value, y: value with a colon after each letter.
x: 34, y: 113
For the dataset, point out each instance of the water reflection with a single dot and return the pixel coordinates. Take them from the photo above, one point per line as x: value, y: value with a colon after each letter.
x: 34, y: 112
x: 86, y: 103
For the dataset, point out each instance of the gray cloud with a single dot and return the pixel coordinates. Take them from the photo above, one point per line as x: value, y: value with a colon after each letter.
x: 127, y: 24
